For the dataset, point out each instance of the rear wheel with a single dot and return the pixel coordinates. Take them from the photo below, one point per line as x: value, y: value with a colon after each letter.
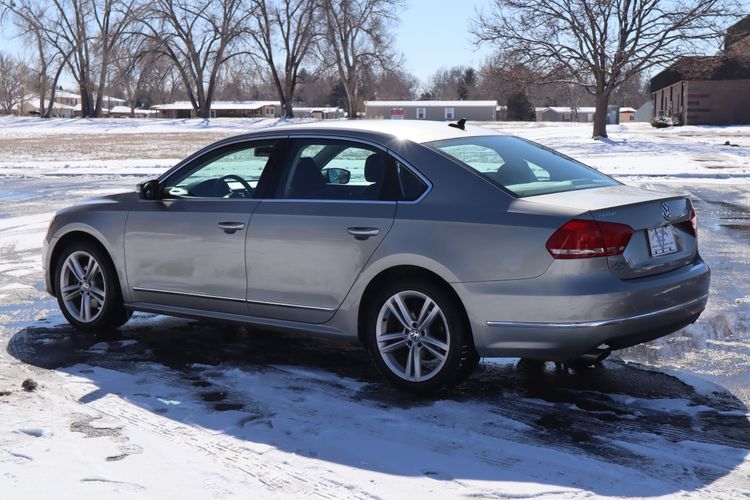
x: 87, y: 288
x: 417, y: 336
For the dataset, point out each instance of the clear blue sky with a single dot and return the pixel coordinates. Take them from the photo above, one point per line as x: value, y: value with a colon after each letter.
x: 434, y: 34
x: 431, y: 34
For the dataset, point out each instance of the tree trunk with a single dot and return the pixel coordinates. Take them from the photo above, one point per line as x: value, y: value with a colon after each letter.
x: 288, y: 108
x: 600, y: 116
x: 53, y: 90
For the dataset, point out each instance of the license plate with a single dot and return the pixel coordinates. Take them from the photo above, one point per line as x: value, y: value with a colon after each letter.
x: 661, y: 240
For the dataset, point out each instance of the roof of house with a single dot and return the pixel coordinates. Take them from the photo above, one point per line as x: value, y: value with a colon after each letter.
x: 427, y: 104
x: 703, y: 68
x: 34, y: 102
x: 250, y: 105
x: 126, y: 109
x: 737, y: 32
x: 567, y: 109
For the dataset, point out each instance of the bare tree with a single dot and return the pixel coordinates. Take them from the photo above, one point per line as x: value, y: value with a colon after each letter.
x: 30, y: 20
x: 136, y: 66
x: 358, y: 37
x: 199, y: 36
x: 599, y: 44
x: 283, y: 33
x: 84, y: 33
x: 11, y: 83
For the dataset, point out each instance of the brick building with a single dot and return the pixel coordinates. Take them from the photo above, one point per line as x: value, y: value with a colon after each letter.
x: 708, y: 90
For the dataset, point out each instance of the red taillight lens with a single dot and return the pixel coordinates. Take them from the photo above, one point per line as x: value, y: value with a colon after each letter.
x: 694, y: 222
x: 581, y: 239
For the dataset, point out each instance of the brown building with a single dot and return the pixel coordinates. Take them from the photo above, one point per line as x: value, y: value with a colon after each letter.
x: 708, y: 90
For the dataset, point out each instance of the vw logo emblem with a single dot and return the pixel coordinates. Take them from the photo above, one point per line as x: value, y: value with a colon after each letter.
x: 665, y: 211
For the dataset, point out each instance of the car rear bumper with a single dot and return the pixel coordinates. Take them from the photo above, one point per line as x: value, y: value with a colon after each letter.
x: 567, y: 312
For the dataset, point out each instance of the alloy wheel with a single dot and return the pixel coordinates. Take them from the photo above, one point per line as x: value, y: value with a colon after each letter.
x: 412, y: 335
x: 82, y: 286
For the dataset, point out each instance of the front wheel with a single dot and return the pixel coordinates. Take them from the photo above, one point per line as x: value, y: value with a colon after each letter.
x: 87, y: 289
x: 417, y: 336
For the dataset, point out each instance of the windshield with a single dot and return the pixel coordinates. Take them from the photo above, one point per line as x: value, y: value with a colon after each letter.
x: 521, y: 167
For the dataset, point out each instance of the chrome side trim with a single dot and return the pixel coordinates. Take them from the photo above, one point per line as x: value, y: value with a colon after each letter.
x: 319, y: 200
x: 283, y: 304
x: 187, y: 294
x: 594, y: 324
x: 219, y: 297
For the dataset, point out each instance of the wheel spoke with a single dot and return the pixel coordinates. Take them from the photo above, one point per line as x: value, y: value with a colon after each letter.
x: 429, y: 317
x: 92, y: 269
x: 398, y: 308
x: 70, y: 292
x: 435, y: 342
x: 393, y: 347
x: 410, y: 361
x: 75, y: 268
x: 437, y: 355
x: 387, y: 337
x: 97, y: 294
x: 417, y: 362
x: 86, y: 307
x: 425, y: 309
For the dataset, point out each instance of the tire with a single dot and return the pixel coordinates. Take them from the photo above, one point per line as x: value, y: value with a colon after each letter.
x: 443, y: 344
x: 87, y: 289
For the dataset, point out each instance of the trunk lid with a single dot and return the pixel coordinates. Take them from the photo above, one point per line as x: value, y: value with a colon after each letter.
x: 642, y: 210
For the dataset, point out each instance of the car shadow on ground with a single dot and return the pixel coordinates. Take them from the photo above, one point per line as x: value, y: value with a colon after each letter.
x: 619, y: 429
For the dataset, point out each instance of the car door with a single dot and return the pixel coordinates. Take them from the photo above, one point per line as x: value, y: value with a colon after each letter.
x: 187, y: 249
x: 307, y: 245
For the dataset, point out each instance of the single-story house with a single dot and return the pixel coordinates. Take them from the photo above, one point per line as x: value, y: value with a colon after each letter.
x: 30, y: 106
x: 564, y: 114
x: 627, y: 114
x: 245, y: 109
x: 124, y: 112
x: 431, y: 110
x: 222, y: 109
x: 319, y: 113
x: 708, y: 90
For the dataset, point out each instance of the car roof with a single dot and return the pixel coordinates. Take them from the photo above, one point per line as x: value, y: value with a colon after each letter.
x: 419, y: 131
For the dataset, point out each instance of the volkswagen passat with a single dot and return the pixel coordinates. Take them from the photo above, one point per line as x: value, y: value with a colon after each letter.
x: 433, y: 244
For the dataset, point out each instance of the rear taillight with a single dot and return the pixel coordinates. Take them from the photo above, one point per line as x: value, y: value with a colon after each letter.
x: 694, y: 222
x: 581, y: 239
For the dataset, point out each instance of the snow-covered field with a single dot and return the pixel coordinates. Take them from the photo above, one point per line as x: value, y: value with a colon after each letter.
x: 173, y: 408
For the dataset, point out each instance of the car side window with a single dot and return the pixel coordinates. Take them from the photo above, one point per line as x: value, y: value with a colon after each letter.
x: 330, y: 169
x: 230, y: 172
x: 409, y: 186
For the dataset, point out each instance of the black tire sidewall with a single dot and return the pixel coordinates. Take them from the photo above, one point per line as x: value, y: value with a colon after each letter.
x: 453, y: 370
x: 113, y: 312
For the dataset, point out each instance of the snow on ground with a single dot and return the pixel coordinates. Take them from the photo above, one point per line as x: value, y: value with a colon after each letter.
x: 171, y: 407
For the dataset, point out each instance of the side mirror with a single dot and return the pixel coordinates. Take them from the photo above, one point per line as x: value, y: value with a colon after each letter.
x: 149, y: 190
x: 337, y: 175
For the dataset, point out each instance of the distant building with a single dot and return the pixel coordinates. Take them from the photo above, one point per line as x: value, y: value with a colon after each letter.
x: 565, y: 114
x: 124, y: 112
x: 645, y: 112
x: 244, y: 109
x: 431, y: 110
x: 31, y: 107
x: 627, y: 114
x: 708, y: 90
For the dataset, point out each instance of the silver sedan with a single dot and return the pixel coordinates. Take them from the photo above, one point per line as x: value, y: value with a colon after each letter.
x: 434, y: 244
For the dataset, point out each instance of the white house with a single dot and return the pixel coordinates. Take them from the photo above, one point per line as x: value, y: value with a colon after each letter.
x: 431, y: 110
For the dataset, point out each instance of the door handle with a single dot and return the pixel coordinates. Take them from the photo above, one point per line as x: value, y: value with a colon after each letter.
x: 231, y: 227
x: 362, y: 233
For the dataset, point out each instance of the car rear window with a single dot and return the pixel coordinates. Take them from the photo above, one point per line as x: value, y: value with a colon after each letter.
x: 520, y: 166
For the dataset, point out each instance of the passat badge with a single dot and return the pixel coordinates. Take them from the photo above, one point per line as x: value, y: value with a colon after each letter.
x: 665, y: 211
